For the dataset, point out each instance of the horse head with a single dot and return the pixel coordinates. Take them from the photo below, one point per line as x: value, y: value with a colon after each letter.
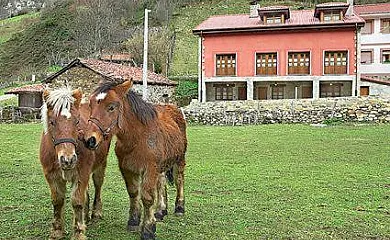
x: 106, y: 106
x: 60, y: 117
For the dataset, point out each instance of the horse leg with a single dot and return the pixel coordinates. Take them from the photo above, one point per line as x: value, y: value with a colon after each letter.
x: 162, y: 198
x: 79, y: 193
x: 57, y: 189
x: 179, y: 182
x: 148, y: 193
x: 98, y: 178
x: 86, y: 206
x: 132, y: 181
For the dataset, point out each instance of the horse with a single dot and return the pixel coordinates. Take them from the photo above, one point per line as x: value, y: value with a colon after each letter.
x: 151, y: 140
x: 65, y: 158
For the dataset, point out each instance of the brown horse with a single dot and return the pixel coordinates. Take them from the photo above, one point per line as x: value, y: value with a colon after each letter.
x: 151, y: 140
x: 64, y: 158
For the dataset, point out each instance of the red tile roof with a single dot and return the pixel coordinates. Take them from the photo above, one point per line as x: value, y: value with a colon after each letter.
x: 298, y: 18
x: 115, y: 71
x: 35, y: 88
x: 372, y: 8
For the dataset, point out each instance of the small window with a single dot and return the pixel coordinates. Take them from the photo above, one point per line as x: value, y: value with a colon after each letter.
x: 224, y: 92
x: 266, y: 63
x: 274, y: 19
x: 226, y: 65
x: 385, y: 56
x: 299, y: 63
x: 368, y: 27
x: 332, y: 16
x: 335, y: 62
x: 277, y: 91
x: 366, y: 57
x: 385, y: 26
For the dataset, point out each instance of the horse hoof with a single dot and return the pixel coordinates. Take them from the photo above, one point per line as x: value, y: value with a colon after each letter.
x: 96, y: 216
x: 56, y: 235
x: 79, y: 236
x: 149, y: 232
x: 133, y: 225
x: 159, y: 215
x: 179, y: 211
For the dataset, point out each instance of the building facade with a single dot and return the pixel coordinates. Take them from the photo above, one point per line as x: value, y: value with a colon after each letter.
x: 276, y: 53
x: 375, y: 49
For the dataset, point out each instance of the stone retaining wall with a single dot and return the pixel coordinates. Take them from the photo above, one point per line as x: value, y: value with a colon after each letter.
x: 351, y: 109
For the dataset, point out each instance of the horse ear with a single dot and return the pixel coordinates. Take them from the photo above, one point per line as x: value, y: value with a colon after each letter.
x: 45, y: 95
x: 77, y: 94
x: 124, y: 87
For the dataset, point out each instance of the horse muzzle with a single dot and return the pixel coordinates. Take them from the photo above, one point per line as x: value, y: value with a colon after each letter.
x: 67, y: 162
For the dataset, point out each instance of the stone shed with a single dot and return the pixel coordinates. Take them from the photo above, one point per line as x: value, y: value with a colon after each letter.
x: 87, y: 73
x: 29, y: 96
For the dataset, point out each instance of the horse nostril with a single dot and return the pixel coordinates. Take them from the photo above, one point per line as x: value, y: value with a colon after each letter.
x: 73, y: 159
x: 62, y: 159
x: 91, y: 142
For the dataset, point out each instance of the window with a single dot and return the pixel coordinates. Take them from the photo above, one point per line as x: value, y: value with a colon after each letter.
x: 366, y: 57
x: 274, y: 19
x: 332, y: 16
x: 385, y: 25
x: 226, y: 65
x: 335, y: 62
x: 277, y: 91
x: 299, y: 63
x: 368, y: 27
x: 224, y: 92
x: 385, y: 56
x: 266, y: 63
x: 330, y: 89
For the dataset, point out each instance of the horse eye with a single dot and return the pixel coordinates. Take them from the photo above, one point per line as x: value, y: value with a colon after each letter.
x: 52, y: 123
x: 111, y: 108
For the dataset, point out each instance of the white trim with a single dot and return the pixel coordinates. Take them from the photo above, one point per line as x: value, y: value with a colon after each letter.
x: 290, y: 78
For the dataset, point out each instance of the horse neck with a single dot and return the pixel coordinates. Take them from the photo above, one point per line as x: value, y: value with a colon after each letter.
x: 132, y: 128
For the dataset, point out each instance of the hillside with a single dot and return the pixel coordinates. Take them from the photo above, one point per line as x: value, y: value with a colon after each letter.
x: 34, y: 43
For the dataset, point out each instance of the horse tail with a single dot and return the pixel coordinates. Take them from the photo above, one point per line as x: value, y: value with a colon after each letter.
x: 169, y: 176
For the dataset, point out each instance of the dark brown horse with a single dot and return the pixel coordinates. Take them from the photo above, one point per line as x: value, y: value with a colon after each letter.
x: 64, y: 158
x: 150, y: 141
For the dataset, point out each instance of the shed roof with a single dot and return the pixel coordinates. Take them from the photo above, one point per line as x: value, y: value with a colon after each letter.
x: 384, y: 80
x: 114, y: 71
x: 302, y: 19
x: 35, y: 88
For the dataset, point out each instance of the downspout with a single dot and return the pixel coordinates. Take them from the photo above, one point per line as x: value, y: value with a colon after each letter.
x: 357, y: 59
x: 200, y: 83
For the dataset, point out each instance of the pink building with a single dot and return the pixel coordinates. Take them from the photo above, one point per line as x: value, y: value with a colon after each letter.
x: 276, y: 53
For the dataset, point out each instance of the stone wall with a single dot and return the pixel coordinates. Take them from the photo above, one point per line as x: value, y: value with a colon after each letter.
x: 11, y: 114
x: 309, y: 111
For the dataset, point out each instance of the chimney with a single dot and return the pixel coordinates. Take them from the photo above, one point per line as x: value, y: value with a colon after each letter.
x: 253, y: 9
x: 350, y: 8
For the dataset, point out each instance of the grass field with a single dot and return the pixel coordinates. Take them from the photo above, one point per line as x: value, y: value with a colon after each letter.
x: 255, y: 182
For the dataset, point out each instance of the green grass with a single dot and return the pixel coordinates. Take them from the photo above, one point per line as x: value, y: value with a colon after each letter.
x: 255, y: 182
x: 10, y: 26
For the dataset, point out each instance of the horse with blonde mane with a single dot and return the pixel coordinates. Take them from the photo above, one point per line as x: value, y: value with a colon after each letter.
x: 64, y: 158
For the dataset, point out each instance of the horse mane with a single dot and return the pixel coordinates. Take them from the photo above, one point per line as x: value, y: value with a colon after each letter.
x: 143, y: 110
x: 60, y: 100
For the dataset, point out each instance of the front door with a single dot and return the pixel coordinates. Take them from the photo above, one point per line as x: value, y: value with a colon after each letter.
x: 242, y: 93
x: 262, y: 93
x: 364, y: 91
